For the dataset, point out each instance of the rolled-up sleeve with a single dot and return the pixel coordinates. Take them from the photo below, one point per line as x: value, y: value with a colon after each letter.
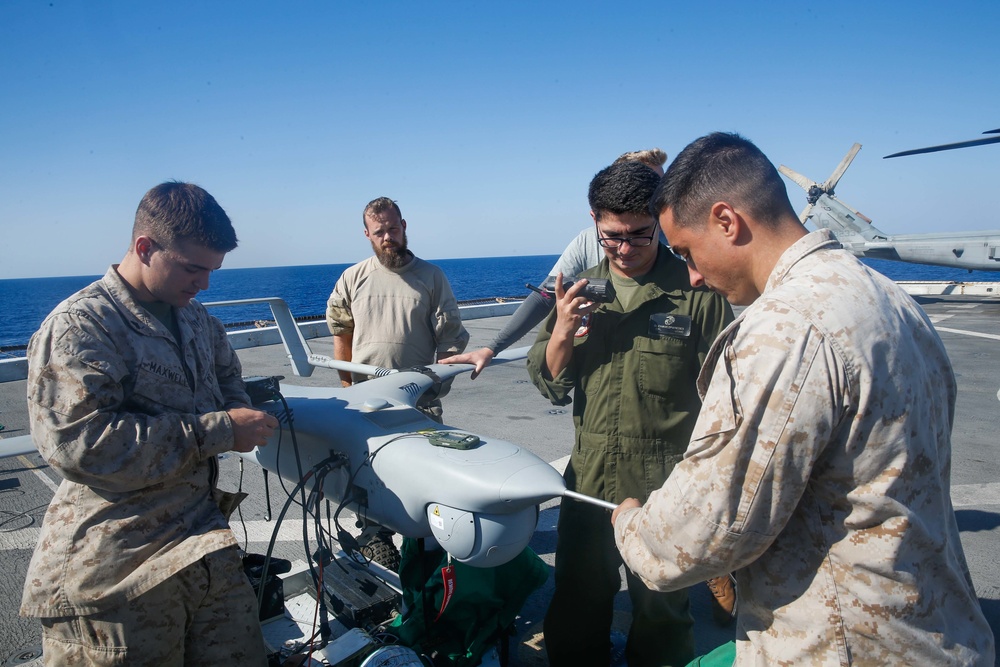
x: 558, y: 389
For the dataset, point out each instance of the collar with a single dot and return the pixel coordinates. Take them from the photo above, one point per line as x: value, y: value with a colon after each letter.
x: 822, y: 239
x: 414, y: 260
x: 669, y: 276
x: 138, y: 317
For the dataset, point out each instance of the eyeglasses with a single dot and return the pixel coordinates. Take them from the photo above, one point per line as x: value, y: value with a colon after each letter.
x: 617, y: 241
x: 686, y: 260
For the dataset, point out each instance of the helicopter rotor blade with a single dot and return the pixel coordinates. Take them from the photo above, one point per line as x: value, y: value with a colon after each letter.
x: 804, y: 183
x: 831, y: 182
x: 948, y: 147
x: 797, y: 178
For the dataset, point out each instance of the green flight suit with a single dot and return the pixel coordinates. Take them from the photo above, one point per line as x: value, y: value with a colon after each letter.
x: 633, y: 376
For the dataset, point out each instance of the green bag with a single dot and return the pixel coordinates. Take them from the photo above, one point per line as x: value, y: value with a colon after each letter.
x: 722, y: 656
x: 481, y: 605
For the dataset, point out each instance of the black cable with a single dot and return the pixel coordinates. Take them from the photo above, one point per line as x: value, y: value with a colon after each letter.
x: 353, y: 548
x: 239, y: 510
x: 330, y: 461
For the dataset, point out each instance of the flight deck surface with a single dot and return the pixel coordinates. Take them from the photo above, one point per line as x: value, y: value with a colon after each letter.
x: 503, y: 403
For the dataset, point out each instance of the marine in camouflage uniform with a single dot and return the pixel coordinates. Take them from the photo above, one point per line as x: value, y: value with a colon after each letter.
x: 136, y: 563
x: 632, y: 372
x: 819, y: 468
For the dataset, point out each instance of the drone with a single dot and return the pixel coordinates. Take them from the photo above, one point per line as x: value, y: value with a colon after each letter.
x: 369, y: 450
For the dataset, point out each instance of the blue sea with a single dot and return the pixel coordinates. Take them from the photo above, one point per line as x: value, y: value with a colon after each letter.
x: 27, y: 301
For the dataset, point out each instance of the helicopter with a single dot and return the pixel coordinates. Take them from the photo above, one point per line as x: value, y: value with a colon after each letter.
x: 370, y: 451
x: 965, y: 250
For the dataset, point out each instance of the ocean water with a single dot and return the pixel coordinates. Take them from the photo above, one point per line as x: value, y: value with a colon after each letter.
x: 27, y: 301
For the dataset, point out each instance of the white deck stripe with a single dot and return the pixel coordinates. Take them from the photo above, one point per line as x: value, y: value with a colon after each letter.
x: 39, y: 474
x: 969, y: 333
x: 975, y: 495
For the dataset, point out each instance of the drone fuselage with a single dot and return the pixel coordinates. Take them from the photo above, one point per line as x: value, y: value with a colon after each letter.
x: 479, y: 503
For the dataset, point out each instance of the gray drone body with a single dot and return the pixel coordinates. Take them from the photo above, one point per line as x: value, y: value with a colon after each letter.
x: 480, y: 504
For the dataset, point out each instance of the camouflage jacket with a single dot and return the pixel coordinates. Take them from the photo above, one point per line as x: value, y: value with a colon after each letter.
x: 633, y: 377
x: 818, y: 471
x: 133, y: 422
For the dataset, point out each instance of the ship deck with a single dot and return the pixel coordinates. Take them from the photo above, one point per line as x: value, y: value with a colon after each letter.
x: 503, y: 403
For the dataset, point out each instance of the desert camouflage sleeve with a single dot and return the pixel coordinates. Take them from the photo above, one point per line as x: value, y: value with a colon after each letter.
x: 338, y: 309
x: 228, y: 369
x: 768, y: 413
x: 81, y: 426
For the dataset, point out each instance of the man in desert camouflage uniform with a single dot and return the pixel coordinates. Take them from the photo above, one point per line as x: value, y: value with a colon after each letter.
x: 133, y: 390
x: 818, y: 470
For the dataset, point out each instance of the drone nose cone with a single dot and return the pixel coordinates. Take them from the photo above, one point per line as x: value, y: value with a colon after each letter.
x: 532, y: 485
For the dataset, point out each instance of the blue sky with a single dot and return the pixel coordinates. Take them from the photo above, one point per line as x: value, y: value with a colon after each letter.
x: 485, y: 121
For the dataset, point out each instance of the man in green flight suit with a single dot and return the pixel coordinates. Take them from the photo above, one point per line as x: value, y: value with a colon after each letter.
x: 631, y: 365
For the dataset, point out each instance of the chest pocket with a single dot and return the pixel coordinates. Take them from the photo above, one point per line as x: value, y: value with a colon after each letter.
x: 160, y: 389
x: 721, y: 411
x: 667, y: 367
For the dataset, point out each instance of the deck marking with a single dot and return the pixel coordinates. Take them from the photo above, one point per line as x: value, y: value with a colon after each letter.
x: 973, y: 495
x: 939, y: 318
x: 969, y: 333
x: 38, y: 473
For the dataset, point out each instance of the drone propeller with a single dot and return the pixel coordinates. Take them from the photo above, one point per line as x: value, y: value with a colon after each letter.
x: 815, y: 190
x: 948, y: 147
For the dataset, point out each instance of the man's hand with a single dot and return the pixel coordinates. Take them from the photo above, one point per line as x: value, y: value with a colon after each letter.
x: 571, y: 307
x: 627, y: 504
x: 251, y: 428
x: 481, y: 358
x: 570, y: 311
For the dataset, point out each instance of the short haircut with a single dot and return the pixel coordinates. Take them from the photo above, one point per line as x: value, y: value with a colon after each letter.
x: 174, y: 211
x: 377, y: 206
x: 721, y: 167
x: 624, y: 187
x: 651, y: 157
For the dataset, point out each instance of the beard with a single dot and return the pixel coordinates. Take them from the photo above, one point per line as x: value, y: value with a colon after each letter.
x: 393, y: 257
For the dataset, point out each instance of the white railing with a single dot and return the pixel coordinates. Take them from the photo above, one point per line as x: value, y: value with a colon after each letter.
x: 17, y: 369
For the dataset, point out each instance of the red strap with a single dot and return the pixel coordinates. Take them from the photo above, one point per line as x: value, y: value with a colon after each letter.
x: 448, y: 577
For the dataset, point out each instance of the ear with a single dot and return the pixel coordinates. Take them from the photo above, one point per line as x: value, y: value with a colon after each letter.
x: 402, y: 223
x: 724, y: 218
x: 143, y: 248
x: 367, y: 233
x: 593, y: 216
